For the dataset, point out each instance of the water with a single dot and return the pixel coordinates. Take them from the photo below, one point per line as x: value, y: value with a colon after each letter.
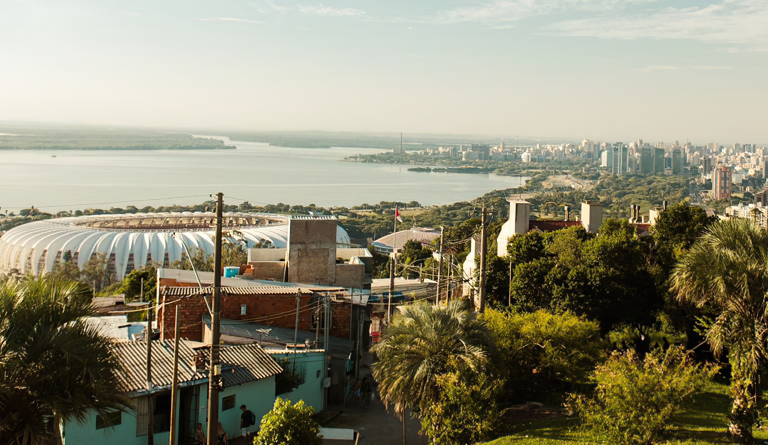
x: 258, y: 173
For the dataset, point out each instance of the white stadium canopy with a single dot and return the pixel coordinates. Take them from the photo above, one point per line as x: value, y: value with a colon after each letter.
x: 132, y: 241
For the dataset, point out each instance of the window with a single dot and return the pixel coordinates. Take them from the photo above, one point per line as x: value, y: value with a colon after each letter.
x: 109, y: 420
x: 228, y: 402
x: 162, y: 413
x: 243, y: 309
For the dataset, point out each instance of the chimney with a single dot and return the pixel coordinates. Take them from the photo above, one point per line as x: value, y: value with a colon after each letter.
x: 632, y: 214
x: 591, y: 216
x: 567, y: 213
x: 664, y: 204
x: 519, y: 219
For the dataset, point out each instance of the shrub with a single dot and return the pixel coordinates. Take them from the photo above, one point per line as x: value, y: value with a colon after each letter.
x: 464, y: 411
x: 542, y: 352
x: 634, y: 400
x: 288, y: 424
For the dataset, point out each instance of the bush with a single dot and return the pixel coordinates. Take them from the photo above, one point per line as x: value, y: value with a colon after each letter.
x: 542, y: 352
x: 289, y: 424
x: 635, y: 400
x: 464, y: 411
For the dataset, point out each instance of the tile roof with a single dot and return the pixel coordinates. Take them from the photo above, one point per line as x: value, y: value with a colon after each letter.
x: 240, y: 364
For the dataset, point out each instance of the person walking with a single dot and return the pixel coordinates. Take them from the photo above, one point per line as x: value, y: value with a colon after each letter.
x: 247, y: 419
x: 366, y: 389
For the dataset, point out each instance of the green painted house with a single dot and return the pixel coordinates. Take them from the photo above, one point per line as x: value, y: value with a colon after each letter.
x: 248, y: 375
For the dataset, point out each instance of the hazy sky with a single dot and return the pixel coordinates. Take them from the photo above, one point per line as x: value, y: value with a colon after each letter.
x: 600, y: 69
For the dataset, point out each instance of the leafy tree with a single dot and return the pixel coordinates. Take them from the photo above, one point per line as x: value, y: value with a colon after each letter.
x: 95, y: 272
x: 411, y: 256
x: 604, y: 278
x: 539, y: 353
x: 131, y: 285
x: 726, y: 270
x: 289, y: 424
x: 464, y: 410
x: 52, y: 363
x: 635, y: 399
x: 66, y: 269
x: 421, y: 344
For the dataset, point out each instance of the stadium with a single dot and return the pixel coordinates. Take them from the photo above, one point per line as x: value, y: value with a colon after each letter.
x: 132, y: 241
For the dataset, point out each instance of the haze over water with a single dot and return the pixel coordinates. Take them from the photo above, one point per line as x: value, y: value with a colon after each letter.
x: 258, y: 173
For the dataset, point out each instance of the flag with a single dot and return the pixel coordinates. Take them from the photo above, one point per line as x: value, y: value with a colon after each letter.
x: 397, y: 215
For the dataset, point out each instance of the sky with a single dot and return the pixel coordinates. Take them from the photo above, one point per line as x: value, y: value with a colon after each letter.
x: 598, y: 69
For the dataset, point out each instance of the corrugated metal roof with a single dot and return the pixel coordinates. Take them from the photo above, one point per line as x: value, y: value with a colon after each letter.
x: 241, y: 364
x: 256, y: 290
x: 133, y: 360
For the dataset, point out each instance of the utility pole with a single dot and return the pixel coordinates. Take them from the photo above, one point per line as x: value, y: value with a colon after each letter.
x: 440, y: 266
x: 214, y: 373
x: 483, y: 255
x: 509, y: 304
x: 391, y: 287
x: 174, y: 392
x: 150, y: 399
x: 296, y: 329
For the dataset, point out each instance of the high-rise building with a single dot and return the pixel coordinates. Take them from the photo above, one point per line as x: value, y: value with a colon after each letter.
x: 646, y: 160
x: 706, y: 163
x: 620, y: 155
x: 677, y: 161
x: 721, y: 182
x: 658, y: 161
x: 606, y: 159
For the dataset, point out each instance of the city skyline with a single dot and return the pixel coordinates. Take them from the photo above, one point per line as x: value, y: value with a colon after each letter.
x: 613, y: 70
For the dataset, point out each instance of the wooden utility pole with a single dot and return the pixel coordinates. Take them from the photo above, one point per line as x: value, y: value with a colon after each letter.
x: 483, y: 258
x: 391, y: 287
x: 150, y: 398
x: 510, y: 283
x: 214, y: 373
x: 174, y: 392
x: 440, y: 266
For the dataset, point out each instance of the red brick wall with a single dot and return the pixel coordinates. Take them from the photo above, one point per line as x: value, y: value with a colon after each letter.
x: 275, y: 310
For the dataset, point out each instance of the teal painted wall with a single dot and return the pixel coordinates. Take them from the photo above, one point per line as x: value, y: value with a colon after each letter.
x: 258, y: 396
x: 311, y: 391
x: 123, y: 434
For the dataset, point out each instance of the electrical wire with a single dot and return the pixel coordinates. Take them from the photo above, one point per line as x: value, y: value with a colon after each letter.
x: 124, y: 202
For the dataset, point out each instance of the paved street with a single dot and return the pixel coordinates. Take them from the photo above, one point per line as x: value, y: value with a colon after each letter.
x: 377, y: 426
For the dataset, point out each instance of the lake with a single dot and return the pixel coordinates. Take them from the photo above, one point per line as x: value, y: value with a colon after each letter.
x: 258, y: 173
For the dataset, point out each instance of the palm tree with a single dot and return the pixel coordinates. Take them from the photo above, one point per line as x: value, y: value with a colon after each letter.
x: 52, y: 364
x: 423, y: 342
x: 727, y: 270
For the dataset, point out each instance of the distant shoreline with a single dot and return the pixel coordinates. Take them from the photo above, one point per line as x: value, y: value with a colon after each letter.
x: 226, y: 147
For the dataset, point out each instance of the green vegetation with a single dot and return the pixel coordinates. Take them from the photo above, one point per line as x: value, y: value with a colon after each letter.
x: 99, y: 138
x: 541, y: 354
x: 726, y: 270
x: 51, y: 362
x: 289, y: 424
x: 703, y: 421
x: 635, y: 400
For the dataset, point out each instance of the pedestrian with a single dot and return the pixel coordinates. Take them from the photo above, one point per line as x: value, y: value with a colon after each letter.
x: 222, y: 436
x: 199, y: 435
x: 365, y: 388
x: 247, y: 419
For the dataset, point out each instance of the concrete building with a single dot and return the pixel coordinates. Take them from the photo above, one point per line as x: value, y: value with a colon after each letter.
x: 311, y: 254
x: 721, y: 182
x: 517, y: 224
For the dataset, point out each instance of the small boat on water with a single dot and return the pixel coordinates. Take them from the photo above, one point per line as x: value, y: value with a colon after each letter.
x: 53, y: 156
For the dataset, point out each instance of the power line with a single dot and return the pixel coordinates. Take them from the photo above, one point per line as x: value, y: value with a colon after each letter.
x: 124, y: 202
